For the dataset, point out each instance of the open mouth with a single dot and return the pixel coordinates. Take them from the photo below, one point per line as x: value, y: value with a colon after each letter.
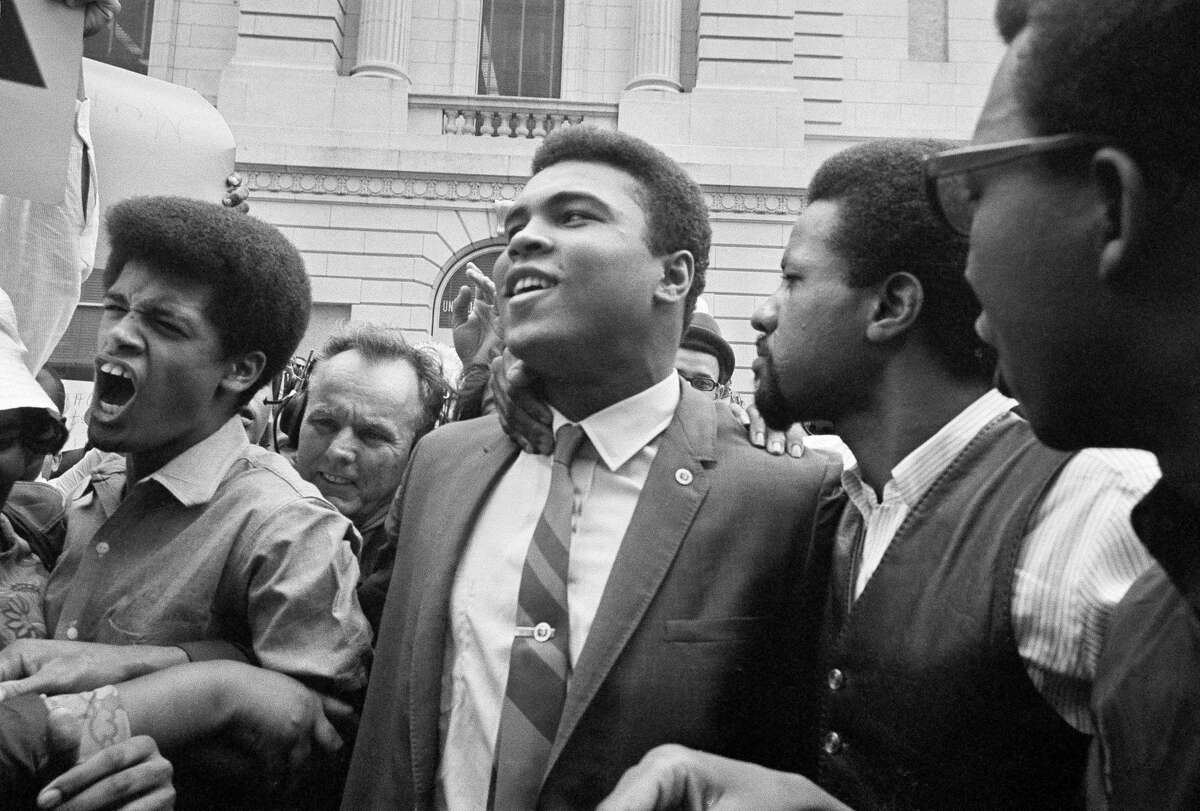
x: 333, y: 478
x: 527, y: 284
x: 114, y: 387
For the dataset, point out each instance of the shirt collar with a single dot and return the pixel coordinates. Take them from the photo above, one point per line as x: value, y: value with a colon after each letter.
x: 193, y: 476
x: 624, y: 428
x: 916, y: 472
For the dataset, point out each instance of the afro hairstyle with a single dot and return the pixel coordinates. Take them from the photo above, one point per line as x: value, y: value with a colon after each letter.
x: 260, y: 295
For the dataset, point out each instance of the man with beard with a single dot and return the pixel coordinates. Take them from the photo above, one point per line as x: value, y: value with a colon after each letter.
x: 974, y: 570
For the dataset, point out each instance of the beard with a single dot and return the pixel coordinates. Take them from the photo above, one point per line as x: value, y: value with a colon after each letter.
x: 772, y: 406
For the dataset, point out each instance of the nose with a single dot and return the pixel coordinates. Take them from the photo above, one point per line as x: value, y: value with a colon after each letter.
x: 121, y: 336
x: 765, y: 317
x: 343, y: 446
x: 531, y: 239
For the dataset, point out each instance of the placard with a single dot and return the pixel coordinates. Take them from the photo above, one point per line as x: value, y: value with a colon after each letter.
x: 41, y: 43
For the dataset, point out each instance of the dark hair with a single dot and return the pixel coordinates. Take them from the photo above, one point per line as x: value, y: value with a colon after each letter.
x: 377, y: 343
x: 886, y: 226
x: 259, y: 293
x: 676, y: 214
x: 1128, y: 69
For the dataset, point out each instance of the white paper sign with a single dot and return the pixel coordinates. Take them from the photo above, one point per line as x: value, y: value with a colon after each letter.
x: 41, y: 43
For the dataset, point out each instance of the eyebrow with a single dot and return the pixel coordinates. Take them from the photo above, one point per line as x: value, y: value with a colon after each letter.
x: 154, y: 308
x: 558, y: 200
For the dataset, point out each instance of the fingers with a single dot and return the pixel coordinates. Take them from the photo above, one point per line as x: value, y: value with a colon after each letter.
x: 484, y: 286
x: 739, y: 411
x: 338, y: 716
x: 460, y: 308
x: 118, y: 774
x: 795, y: 440
x: 659, y: 781
x: 526, y: 419
x: 98, y: 15
x: 776, y: 443
x: 236, y: 193
x: 757, y: 427
x: 43, y: 681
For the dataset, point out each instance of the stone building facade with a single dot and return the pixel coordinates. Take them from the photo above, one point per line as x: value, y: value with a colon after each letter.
x: 379, y: 134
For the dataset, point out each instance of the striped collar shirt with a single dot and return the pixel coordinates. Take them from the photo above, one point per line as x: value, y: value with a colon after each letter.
x: 911, y: 478
x: 1078, y: 560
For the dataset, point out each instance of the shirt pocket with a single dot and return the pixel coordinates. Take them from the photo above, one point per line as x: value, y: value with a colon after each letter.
x: 149, y: 618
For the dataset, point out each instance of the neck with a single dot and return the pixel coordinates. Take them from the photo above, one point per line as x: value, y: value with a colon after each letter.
x: 579, y: 399
x: 905, y: 410
x: 140, y: 464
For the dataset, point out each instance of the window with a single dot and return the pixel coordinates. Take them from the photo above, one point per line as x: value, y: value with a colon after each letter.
x: 75, y: 354
x: 520, y: 48
x: 126, y: 42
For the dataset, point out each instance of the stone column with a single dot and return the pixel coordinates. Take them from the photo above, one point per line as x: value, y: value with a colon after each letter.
x: 383, y: 31
x: 657, y: 26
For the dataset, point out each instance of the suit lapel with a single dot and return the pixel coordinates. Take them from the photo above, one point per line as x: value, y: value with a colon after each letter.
x: 660, y: 523
x: 474, y: 477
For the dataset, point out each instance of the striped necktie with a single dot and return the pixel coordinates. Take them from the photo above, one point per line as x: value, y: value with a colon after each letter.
x: 540, y: 660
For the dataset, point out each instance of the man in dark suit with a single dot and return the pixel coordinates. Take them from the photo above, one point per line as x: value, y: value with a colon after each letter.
x: 683, y: 618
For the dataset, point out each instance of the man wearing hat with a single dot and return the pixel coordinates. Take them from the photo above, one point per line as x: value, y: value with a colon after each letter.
x: 704, y: 358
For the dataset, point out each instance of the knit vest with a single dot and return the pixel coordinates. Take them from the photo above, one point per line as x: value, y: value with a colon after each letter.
x: 925, y: 702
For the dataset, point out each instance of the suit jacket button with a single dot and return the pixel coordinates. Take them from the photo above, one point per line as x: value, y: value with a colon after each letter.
x: 832, y: 743
x: 684, y: 476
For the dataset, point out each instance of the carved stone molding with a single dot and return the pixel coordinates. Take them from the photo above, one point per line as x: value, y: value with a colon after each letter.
x: 269, y: 181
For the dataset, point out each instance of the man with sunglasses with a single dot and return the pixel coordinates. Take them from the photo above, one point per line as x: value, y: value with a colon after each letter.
x: 1081, y: 198
x: 704, y: 358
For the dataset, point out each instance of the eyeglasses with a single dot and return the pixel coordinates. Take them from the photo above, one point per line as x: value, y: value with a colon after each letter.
x: 948, y: 174
x: 705, y: 383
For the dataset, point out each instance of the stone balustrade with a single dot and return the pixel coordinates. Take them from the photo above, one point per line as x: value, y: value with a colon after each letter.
x: 492, y: 117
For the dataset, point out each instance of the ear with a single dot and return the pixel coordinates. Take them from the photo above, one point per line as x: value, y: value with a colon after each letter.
x: 679, y: 268
x: 1125, y: 212
x: 242, y: 371
x: 898, y: 302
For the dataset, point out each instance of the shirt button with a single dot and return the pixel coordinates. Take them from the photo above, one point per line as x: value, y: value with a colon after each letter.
x: 684, y: 476
x: 102, y: 549
x: 72, y: 632
x: 832, y: 743
x: 837, y: 679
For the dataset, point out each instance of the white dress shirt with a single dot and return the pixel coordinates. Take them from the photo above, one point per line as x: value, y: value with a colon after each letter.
x: 1075, y: 564
x: 607, y: 474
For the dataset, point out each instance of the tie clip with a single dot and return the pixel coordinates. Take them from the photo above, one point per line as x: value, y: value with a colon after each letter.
x: 542, y: 632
